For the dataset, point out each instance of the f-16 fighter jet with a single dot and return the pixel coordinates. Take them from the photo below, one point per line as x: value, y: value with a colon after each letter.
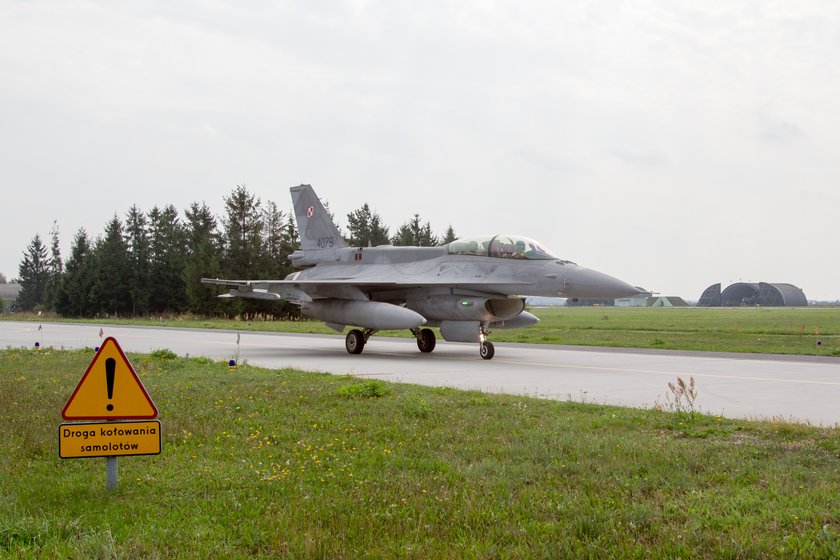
x: 466, y: 288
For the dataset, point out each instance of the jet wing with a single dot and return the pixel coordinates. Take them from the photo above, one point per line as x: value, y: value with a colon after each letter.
x: 300, y: 291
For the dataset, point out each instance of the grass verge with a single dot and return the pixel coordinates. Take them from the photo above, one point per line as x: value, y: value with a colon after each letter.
x: 264, y: 463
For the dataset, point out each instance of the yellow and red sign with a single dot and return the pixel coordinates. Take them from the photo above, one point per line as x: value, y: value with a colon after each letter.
x: 109, y: 390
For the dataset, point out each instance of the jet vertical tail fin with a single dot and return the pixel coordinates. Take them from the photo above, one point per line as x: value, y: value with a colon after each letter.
x: 315, y: 227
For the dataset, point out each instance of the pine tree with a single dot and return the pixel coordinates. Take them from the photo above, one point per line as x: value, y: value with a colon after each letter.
x: 33, y: 275
x: 137, y: 233
x: 449, y: 236
x: 366, y: 228
x: 55, y: 270
x: 243, y: 233
x: 77, y: 280
x: 168, y: 251
x: 243, y: 227
x: 110, y: 292
x: 273, y: 257
x: 203, y: 259
x: 414, y: 233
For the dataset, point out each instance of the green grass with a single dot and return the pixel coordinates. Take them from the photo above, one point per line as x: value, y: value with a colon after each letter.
x: 760, y: 330
x: 280, y: 463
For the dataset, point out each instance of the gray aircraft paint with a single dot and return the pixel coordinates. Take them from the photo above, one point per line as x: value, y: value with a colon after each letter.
x: 466, y: 288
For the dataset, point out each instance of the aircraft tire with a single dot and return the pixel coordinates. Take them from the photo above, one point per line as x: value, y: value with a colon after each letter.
x: 355, y: 342
x: 426, y: 341
x: 487, y: 350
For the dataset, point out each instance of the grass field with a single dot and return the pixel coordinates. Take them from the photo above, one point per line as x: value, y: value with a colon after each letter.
x: 268, y: 463
x: 805, y: 331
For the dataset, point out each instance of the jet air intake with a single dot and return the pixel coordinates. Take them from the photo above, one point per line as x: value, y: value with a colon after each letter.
x: 443, y: 307
x: 368, y: 314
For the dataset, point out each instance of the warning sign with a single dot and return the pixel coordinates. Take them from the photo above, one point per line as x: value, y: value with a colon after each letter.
x: 109, y: 389
x: 109, y: 439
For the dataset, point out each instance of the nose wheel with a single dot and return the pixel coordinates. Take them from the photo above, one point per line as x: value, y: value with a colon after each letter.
x: 487, y: 350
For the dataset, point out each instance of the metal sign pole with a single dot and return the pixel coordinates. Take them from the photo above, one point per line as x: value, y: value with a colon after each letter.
x: 110, y: 473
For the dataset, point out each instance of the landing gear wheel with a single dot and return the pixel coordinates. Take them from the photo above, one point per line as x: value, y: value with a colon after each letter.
x: 426, y: 340
x: 487, y: 350
x: 355, y: 342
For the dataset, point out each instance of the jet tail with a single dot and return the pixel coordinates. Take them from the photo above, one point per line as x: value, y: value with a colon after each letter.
x: 315, y: 227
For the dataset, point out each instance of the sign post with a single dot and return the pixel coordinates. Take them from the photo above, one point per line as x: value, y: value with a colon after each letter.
x: 109, y: 390
x: 110, y: 473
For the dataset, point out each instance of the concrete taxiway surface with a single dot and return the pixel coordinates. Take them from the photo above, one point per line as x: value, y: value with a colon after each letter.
x: 737, y: 386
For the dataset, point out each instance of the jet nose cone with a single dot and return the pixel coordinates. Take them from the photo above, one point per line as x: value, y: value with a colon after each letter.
x: 586, y: 283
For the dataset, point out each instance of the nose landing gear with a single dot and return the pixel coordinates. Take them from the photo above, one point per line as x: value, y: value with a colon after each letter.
x: 485, y: 348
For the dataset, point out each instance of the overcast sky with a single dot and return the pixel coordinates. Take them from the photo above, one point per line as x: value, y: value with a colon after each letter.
x: 670, y: 143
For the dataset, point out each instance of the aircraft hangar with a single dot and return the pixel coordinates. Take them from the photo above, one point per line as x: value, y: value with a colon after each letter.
x: 763, y: 294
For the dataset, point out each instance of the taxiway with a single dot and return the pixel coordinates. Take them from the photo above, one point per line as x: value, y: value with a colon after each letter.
x: 800, y: 389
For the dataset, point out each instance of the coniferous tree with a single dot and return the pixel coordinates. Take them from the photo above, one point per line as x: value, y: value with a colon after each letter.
x: 137, y: 233
x: 243, y: 231
x: 291, y: 240
x: 366, y: 228
x: 110, y: 292
x: 203, y: 259
x: 273, y: 246
x: 33, y: 275
x: 167, y: 244
x: 243, y: 228
x: 414, y: 233
x: 279, y: 241
x: 77, y: 280
x: 55, y: 269
x: 449, y: 236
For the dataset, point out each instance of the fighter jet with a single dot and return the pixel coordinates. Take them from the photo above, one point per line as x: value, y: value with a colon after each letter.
x: 466, y: 288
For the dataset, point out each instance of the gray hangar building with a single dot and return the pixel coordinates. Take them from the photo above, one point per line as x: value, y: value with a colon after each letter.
x: 762, y: 294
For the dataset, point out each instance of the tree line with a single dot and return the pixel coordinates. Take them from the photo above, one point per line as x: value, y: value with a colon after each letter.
x: 150, y: 263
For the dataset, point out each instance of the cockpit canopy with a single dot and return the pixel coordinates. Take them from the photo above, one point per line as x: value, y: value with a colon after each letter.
x: 504, y: 246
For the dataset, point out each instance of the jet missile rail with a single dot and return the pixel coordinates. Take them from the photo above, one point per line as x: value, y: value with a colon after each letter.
x: 466, y: 288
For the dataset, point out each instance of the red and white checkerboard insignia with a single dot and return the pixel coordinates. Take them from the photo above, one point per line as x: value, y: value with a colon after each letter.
x: 310, y: 211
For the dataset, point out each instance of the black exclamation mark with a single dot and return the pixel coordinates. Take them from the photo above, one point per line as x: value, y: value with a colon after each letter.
x: 110, y: 371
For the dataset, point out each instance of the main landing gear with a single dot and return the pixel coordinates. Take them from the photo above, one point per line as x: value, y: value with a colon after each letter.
x: 425, y: 339
x: 356, y: 340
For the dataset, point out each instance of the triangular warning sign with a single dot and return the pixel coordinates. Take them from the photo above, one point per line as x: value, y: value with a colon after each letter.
x: 109, y: 389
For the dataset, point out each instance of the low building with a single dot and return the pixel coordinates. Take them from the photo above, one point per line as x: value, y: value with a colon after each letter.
x: 666, y: 301
x: 639, y: 300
